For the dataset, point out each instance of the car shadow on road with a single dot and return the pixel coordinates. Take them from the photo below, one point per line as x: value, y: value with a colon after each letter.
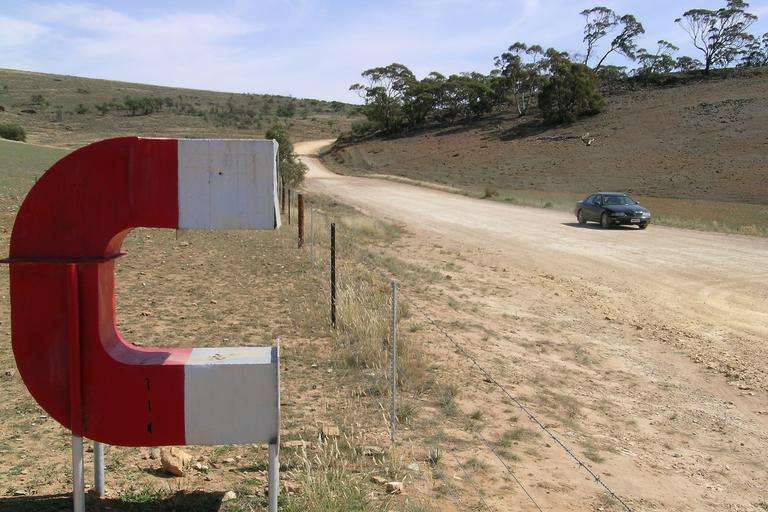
x: 598, y: 226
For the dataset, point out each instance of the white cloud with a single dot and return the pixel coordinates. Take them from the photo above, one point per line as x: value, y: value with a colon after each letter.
x: 15, y: 32
x: 311, y: 48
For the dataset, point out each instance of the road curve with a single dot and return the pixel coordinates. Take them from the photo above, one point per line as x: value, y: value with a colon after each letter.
x: 707, y: 278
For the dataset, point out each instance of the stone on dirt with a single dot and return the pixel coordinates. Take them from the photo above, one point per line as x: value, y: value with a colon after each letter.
x: 394, y: 487
x: 174, y: 460
x: 229, y: 496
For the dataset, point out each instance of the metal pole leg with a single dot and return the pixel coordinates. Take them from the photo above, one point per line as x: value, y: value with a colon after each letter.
x: 98, y: 468
x: 274, y: 477
x: 78, y: 475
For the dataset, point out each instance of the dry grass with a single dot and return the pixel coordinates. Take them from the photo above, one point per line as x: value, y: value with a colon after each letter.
x: 66, y: 114
x: 363, y: 300
x: 325, y: 482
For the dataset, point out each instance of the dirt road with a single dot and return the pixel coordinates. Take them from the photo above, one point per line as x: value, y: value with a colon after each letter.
x: 678, y: 320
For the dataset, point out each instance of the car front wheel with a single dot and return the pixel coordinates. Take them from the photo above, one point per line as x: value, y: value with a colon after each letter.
x: 605, y: 221
x: 643, y: 225
x: 580, y: 217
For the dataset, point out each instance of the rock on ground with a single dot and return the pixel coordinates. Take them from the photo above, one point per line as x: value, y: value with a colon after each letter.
x: 174, y: 460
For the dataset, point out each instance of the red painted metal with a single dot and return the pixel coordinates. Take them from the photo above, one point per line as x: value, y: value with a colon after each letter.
x: 80, y: 211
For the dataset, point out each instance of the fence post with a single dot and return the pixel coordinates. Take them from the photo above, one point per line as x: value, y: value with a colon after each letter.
x: 289, y: 207
x: 394, y: 360
x: 300, y: 219
x: 333, y: 274
x: 282, y: 195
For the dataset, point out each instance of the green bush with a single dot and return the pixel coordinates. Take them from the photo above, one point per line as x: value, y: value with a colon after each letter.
x: 362, y: 128
x: 570, y: 93
x: 144, y: 105
x: 292, y: 170
x: 12, y: 131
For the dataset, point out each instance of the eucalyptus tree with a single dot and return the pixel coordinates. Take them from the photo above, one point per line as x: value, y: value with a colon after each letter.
x: 721, y: 34
x: 519, y: 70
x: 660, y: 61
x: 687, y: 64
x: 602, y: 22
x: 756, y: 53
x: 384, y: 94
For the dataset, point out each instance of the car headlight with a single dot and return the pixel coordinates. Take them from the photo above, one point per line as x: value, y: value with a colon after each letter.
x: 646, y: 215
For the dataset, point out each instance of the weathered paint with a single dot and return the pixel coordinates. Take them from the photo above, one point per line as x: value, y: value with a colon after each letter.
x: 230, y: 395
x: 80, y: 212
x: 228, y: 184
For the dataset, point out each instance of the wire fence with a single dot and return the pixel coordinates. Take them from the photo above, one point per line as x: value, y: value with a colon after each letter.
x: 317, y: 242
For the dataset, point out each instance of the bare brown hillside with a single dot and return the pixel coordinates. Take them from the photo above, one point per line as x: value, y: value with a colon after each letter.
x: 706, y: 140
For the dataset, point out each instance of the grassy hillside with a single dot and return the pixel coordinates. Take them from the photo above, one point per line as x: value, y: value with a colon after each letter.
x: 701, y: 141
x: 20, y: 165
x: 71, y: 111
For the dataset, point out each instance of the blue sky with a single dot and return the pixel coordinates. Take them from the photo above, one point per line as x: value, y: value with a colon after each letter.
x: 304, y: 48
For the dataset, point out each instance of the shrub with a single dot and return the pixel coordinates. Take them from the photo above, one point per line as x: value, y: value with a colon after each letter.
x: 143, y: 105
x: 286, y: 110
x: 362, y: 128
x: 81, y: 109
x: 12, y: 131
x: 292, y: 170
x: 572, y: 92
x: 490, y: 192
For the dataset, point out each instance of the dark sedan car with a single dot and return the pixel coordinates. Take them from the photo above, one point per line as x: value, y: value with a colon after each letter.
x: 612, y: 209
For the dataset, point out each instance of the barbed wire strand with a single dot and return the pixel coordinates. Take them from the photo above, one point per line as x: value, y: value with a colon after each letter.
x: 527, y: 411
x: 470, y: 480
x: 524, y: 408
x: 509, y: 469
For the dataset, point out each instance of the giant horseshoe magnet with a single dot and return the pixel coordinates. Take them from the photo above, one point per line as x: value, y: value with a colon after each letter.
x: 68, y: 349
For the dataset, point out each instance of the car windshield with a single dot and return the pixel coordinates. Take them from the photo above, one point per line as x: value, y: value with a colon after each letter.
x: 617, y: 200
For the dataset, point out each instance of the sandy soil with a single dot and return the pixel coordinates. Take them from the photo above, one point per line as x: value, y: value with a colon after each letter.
x: 645, y: 346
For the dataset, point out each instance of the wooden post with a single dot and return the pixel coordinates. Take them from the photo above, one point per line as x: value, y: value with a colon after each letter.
x: 333, y: 274
x: 289, y: 207
x: 282, y: 196
x: 300, y: 219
